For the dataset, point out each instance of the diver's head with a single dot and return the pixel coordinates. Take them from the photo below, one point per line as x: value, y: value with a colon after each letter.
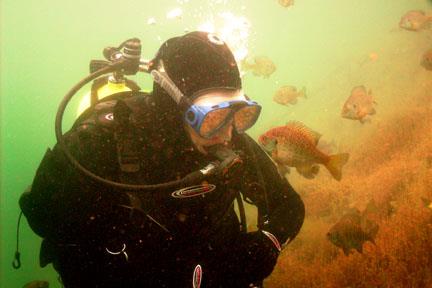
x: 197, y: 75
x: 198, y: 61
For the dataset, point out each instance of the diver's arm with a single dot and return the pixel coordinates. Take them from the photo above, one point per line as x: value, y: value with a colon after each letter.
x: 37, y: 204
x: 61, y: 197
x: 253, y: 255
x: 43, y: 203
x: 278, y: 202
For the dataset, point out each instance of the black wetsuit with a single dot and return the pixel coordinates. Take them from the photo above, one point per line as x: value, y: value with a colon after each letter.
x: 100, y: 236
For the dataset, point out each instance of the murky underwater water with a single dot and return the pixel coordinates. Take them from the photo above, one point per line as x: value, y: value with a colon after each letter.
x: 328, y: 47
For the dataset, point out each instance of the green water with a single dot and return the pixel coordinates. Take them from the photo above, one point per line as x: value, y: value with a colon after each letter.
x: 46, y: 47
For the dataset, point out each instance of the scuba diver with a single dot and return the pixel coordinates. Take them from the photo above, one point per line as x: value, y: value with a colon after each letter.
x: 140, y: 192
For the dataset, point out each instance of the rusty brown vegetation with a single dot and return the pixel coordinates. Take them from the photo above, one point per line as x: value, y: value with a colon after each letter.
x: 392, y: 167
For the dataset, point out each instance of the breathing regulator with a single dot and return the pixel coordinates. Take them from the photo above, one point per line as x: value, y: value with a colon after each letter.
x: 119, y: 62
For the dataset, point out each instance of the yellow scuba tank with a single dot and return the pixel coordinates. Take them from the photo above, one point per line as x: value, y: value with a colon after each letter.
x: 106, y: 86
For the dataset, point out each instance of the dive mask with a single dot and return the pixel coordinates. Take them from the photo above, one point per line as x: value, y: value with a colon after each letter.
x: 208, y: 120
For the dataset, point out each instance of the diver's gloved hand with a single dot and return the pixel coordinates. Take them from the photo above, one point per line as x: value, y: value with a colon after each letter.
x: 247, y: 259
x: 253, y: 258
x: 261, y: 253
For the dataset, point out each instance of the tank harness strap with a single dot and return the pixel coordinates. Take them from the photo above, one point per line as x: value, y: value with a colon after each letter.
x: 263, y: 214
x: 241, y: 208
x: 129, y: 163
x: 127, y: 148
x: 127, y: 153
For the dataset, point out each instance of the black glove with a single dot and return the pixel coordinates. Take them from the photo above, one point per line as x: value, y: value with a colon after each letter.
x: 259, y: 254
x: 250, y: 259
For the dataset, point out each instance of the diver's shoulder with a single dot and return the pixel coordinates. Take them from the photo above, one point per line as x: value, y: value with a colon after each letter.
x: 133, y: 99
x: 110, y: 110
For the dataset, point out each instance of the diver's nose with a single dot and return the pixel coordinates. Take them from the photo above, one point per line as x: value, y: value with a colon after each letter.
x: 229, y: 132
x: 226, y: 132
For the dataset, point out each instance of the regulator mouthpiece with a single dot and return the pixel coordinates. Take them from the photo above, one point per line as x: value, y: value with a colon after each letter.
x: 229, y: 160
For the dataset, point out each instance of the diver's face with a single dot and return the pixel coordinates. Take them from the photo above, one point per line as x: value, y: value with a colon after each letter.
x: 224, y: 134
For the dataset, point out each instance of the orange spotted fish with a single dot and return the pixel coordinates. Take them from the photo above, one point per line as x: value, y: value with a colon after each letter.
x: 262, y: 66
x: 359, y: 105
x: 415, y: 20
x: 295, y: 145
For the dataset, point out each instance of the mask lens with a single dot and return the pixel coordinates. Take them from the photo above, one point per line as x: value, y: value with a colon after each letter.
x: 245, y: 117
x: 213, y: 121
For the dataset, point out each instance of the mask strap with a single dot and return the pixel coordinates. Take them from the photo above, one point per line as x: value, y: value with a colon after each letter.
x: 161, y: 77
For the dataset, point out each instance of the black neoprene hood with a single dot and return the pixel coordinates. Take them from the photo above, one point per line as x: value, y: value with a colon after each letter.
x: 199, y: 61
